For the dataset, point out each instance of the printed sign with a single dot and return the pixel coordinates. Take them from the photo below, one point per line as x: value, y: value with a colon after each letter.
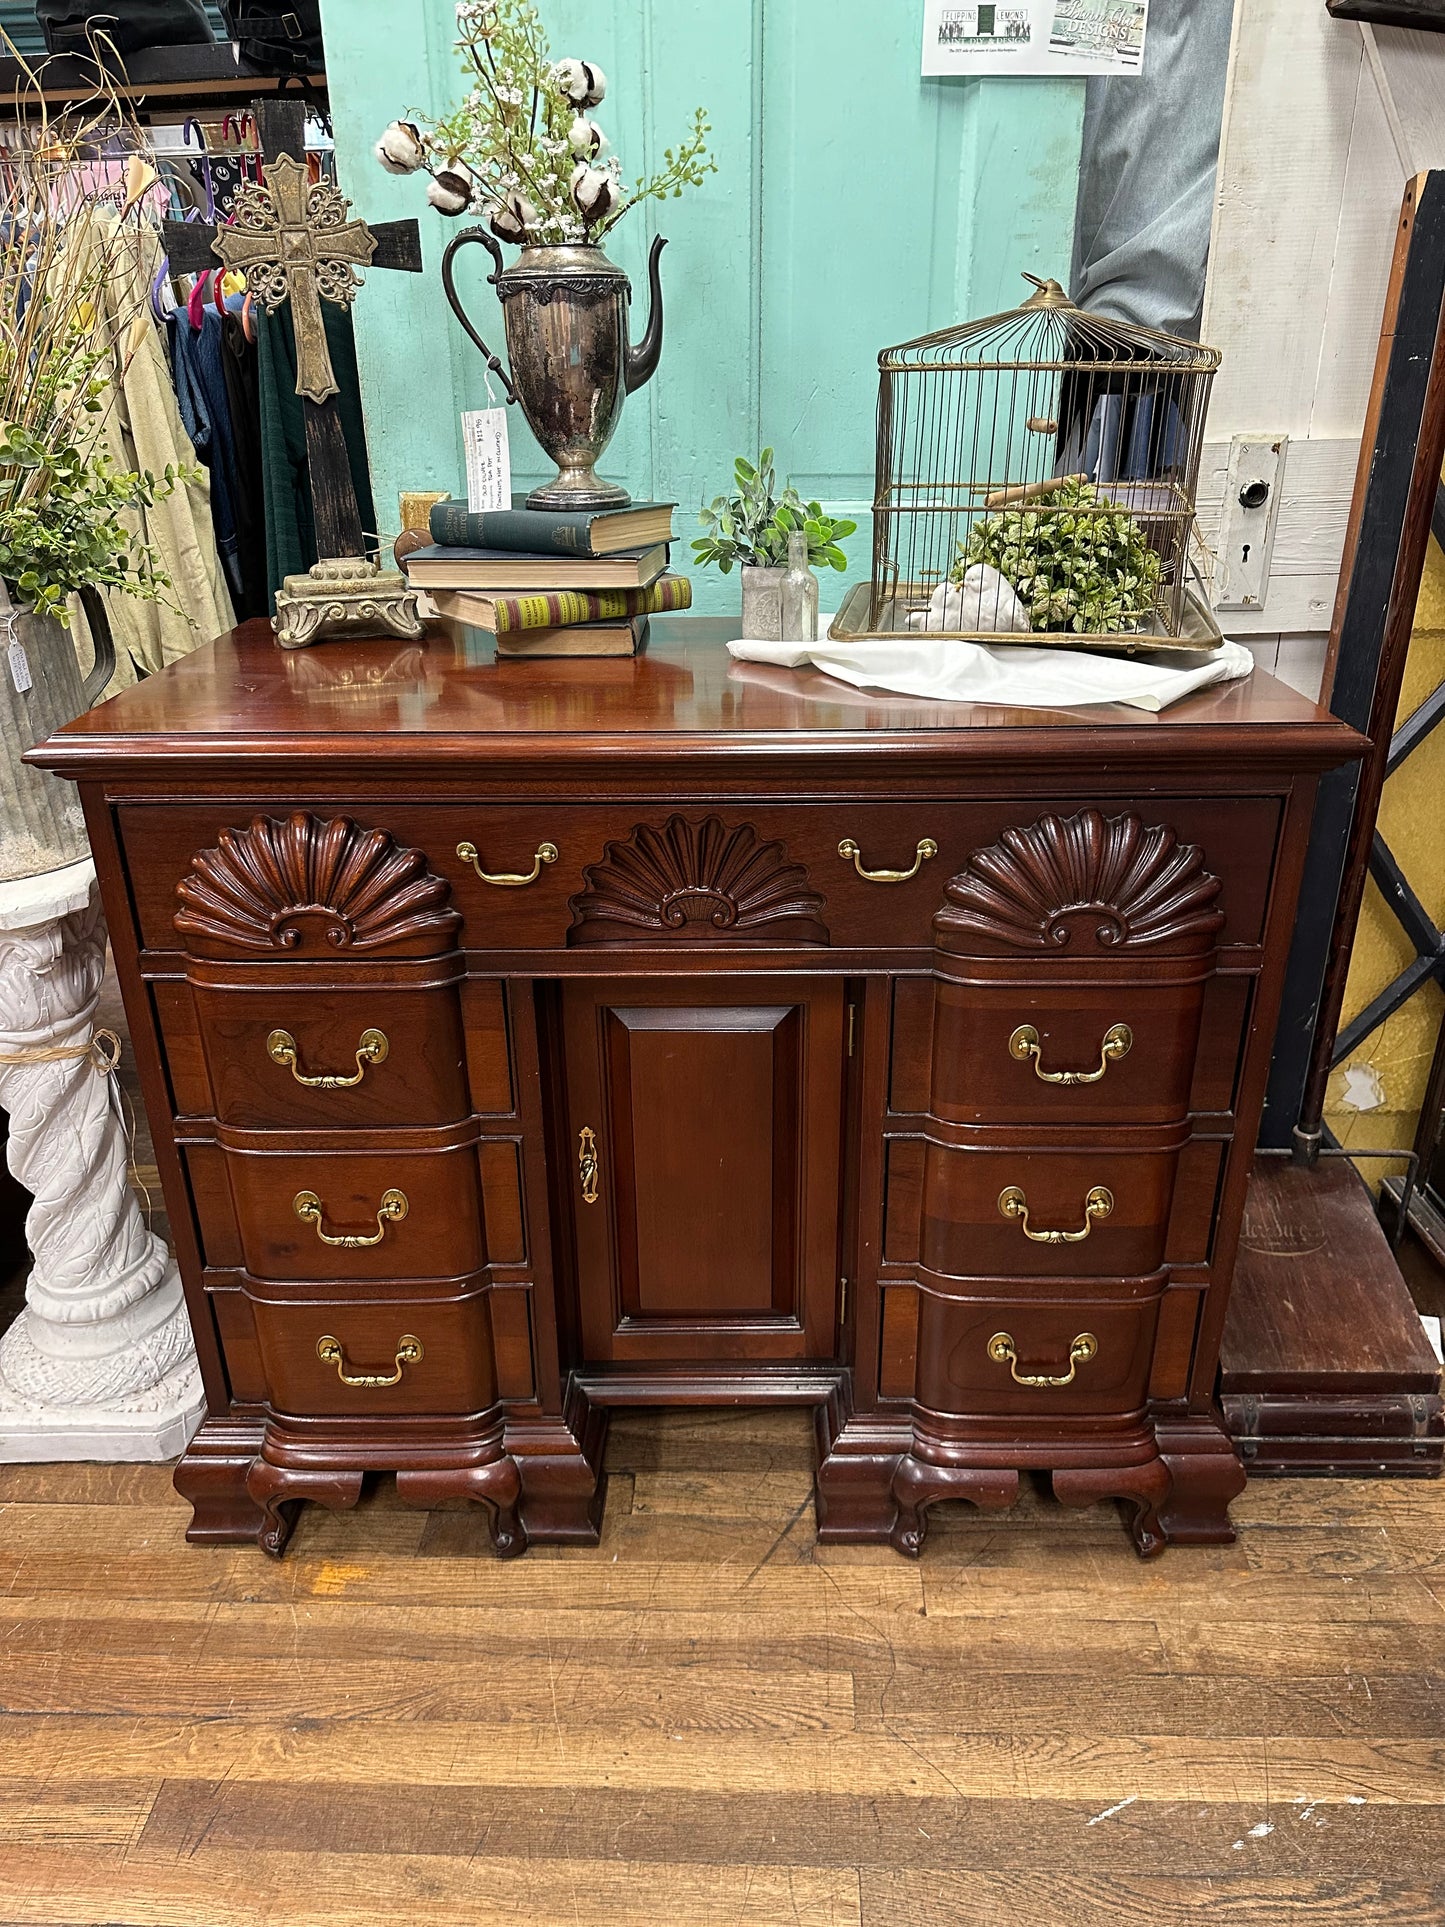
x: 1034, y: 36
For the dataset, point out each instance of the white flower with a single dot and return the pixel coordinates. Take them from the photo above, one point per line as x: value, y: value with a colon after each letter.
x: 586, y: 138
x: 594, y: 191
x: 580, y: 82
x: 512, y: 218
x: 478, y: 17
x: 451, y: 188
x: 400, y: 149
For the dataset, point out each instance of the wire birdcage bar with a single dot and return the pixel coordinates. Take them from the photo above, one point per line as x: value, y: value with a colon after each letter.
x: 990, y: 432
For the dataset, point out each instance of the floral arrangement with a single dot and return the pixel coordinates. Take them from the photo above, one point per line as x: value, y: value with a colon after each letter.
x: 522, y: 149
x: 1074, y: 558
x: 63, y: 501
x: 751, y: 528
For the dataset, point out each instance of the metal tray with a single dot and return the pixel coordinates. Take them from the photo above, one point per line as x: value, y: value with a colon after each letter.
x: 1200, y: 634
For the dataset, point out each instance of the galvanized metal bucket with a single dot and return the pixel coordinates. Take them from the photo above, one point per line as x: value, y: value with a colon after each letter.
x: 41, y: 826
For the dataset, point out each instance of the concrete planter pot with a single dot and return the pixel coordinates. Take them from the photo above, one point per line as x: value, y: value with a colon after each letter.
x: 41, y: 825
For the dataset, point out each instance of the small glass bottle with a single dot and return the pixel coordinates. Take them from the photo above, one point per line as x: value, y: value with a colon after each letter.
x: 799, y: 594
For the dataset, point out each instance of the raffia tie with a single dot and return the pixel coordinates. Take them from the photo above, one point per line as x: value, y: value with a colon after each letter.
x: 103, y: 1050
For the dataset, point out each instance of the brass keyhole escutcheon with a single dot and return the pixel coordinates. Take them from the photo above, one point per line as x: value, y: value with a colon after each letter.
x: 589, y: 1163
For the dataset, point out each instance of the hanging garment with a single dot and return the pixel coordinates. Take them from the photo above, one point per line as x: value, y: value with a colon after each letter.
x: 197, y: 362
x: 240, y: 364
x: 272, y: 40
x: 290, y: 528
x: 143, y: 430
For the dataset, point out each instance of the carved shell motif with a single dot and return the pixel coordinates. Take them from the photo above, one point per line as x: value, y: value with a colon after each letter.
x: 1071, y: 883
x: 697, y: 882
x: 308, y: 886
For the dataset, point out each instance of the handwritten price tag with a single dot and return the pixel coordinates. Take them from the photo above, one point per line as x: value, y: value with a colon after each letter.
x: 489, y: 459
x: 19, y: 668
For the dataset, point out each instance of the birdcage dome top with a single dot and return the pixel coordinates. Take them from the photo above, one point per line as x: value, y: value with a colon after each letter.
x: 1048, y: 331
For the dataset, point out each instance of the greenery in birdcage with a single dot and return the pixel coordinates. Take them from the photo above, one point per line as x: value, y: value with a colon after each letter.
x: 1075, y: 560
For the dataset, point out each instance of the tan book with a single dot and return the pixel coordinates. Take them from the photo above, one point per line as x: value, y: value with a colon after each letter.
x: 503, y: 571
x: 577, y: 639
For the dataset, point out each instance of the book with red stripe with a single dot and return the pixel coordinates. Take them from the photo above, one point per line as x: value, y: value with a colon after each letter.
x: 510, y: 615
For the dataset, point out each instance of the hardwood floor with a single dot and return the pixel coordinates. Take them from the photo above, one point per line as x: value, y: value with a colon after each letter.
x: 710, y: 1721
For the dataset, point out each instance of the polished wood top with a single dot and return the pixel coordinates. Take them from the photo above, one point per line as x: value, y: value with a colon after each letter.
x: 390, y: 704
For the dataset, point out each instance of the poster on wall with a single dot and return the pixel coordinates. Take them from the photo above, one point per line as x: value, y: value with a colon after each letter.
x: 1002, y: 37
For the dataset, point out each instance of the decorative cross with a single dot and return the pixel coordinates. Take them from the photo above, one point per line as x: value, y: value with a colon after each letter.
x: 294, y: 242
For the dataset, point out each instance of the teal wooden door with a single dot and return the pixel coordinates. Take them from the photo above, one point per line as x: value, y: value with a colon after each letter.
x: 855, y: 205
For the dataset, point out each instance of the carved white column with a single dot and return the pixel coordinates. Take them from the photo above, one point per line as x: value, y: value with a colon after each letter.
x: 100, y: 1363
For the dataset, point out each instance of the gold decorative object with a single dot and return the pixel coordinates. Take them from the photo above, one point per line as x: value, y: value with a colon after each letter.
x: 588, y: 1163
x: 1002, y: 1351
x: 1024, y: 1045
x: 988, y: 417
x: 546, y: 853
x: 1013, y: 1204
x: 926, y: 848
x: 408, y: 1352
x: 372, y: 1049
x: 416, y: 508
x: 294, y: 240
x: 345, y: 595
x: 392, y: 1209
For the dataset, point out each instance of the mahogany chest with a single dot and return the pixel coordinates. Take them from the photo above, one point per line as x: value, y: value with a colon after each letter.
x: 523, y: 1040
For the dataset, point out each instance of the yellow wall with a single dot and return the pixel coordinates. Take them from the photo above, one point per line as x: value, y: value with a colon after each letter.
x: 1412, y: 819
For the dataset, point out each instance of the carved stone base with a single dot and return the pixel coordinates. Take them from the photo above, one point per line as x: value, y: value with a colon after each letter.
x: 345, y: 596
x: 139, y: 1427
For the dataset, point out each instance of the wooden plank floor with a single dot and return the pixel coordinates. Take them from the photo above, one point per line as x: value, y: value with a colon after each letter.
x: 708, y: 1721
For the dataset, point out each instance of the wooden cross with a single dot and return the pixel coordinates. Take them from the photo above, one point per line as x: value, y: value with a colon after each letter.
x: 295, y: 242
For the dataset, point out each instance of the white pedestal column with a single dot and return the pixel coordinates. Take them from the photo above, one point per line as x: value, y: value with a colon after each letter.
x: 100, y: 1363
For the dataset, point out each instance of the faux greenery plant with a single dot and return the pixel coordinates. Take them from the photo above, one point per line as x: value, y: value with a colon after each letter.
x: 63, y: 330
x: 751, y: 528
x: 1074, y: 559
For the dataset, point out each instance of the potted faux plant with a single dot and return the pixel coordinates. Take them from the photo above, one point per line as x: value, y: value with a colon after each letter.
x: 750, y: 529
x: 64, y: 504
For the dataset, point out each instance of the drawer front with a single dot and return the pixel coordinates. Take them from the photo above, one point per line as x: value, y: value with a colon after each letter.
x: 1033, y: 1213
x: 334, y: 1059
x: 1095, y: 1353
x: 1057, y: 1054
x: 290, y: 1203
x: 736, y: 872
x: 378, y: 1358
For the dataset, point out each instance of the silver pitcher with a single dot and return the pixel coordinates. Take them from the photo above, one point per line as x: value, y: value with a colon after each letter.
x: 41, y: 825
x: 565, y: 312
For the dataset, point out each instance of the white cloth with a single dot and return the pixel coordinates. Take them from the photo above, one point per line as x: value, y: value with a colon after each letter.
x: 1012, y: 674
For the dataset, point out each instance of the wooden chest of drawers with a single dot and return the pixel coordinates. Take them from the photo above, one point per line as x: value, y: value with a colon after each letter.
x: 525, y: 1040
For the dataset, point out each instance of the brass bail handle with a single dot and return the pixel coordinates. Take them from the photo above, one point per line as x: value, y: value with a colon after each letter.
x: 926, y: 848
x: 331, y: 1352
x: 546, y: 853
x: 1002, y: 1351
x: 392, y: 1209
x: 1013, y: 1204
x: 372, y: 1049
x: 1118, y: 1041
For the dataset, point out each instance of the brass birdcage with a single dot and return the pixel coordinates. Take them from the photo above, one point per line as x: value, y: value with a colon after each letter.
x: 1057, y: 448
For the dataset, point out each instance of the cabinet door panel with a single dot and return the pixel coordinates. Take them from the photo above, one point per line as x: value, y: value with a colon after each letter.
x: 714, y: 1110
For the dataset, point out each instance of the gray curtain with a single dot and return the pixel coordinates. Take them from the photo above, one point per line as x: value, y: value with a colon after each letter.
x: 1146, y: 180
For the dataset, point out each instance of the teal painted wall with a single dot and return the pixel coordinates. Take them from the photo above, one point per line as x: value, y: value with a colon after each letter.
x: 856, y: 205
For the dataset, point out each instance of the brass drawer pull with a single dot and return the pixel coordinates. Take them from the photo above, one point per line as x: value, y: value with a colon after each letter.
x: 392, y: 1209
x: 281, y: 1049
x: 1024, y: 1044
x: 408, y: 1352
x: 1013, y: 1204
x: 546, y: 853
x: 588, y: 1163
x: 1001, y: 1351
x: 926, y: 848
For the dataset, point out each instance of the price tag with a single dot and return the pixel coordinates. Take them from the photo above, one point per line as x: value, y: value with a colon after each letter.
x: 19, y: 668
x: 489, y: 459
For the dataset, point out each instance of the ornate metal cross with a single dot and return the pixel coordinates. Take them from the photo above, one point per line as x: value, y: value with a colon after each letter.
x: 295, y: 240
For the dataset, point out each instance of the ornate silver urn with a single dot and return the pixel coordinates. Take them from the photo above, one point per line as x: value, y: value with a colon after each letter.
x: 565, y: 312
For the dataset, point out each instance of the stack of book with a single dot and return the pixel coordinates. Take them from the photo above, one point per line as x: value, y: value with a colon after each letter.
x: 552, y: 582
